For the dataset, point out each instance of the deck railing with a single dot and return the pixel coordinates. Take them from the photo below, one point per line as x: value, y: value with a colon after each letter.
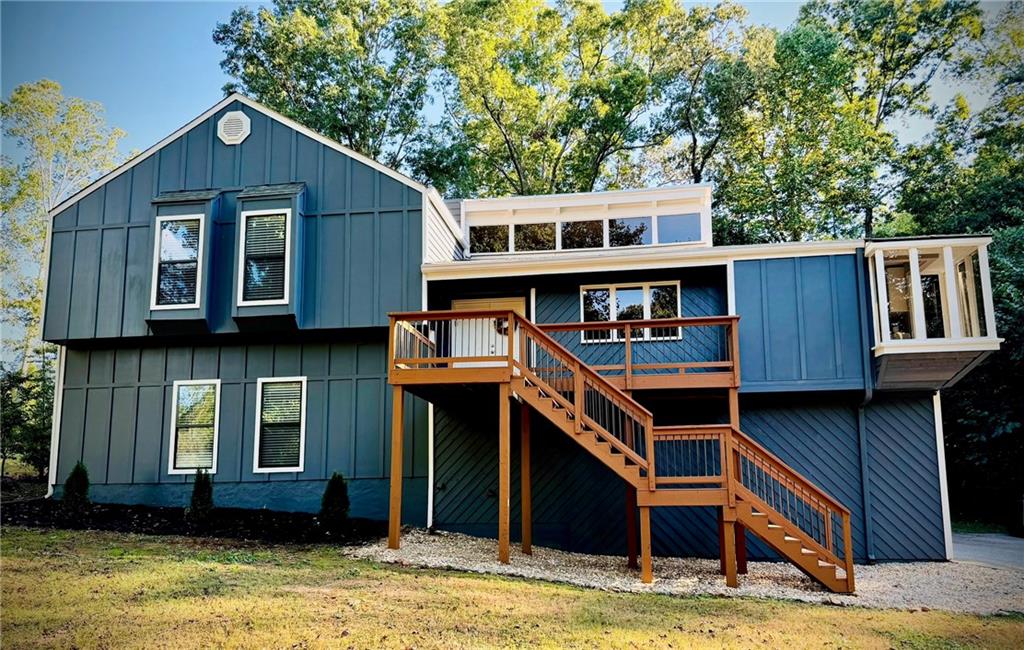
x: 656, y: 353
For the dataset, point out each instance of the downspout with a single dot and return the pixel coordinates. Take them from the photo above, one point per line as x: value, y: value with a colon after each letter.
x: 58, y: 399
x: 862, y: 430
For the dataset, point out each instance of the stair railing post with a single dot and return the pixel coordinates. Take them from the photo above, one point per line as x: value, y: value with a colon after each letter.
x: 629, y: 357
x: 511, y: 343
x: 577, y: 397
x: 848, y: 552
x: 652, y: 482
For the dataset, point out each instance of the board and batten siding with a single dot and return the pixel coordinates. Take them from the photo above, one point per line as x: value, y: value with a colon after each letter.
x: 361, y: 248
x: 800, y: 323
x: 116, y: 415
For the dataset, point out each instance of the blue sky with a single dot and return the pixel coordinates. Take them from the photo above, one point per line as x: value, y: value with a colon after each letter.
x: 153, y: 65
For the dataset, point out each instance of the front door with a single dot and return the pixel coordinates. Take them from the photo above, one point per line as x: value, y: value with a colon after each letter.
x: 483, y: 337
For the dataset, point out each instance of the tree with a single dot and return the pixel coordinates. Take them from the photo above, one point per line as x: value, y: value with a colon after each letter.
x: 547, y: 99
x: 25, y: 419
x: 968, y: 177
x: 781, y: 173
x: 354, y: 70
x: 64, y: 143
x: 897, y: 48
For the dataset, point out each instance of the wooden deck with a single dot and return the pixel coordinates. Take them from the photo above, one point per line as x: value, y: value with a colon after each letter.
x: 543, y: 368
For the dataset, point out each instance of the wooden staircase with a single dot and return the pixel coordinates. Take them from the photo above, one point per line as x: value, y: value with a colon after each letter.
x: 702, y: 465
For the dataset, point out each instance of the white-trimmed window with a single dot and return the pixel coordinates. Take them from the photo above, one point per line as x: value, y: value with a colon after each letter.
x: 195, y: 422
x: 633, y: 301
x: 264, y: 259
x: 280, y: 424
x: 178, y: 262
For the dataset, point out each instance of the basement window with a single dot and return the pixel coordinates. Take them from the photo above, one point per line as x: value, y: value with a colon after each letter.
x: 178, y: 262
x: 280, y: 424
x: 195, y: 419
x: 264, y: 273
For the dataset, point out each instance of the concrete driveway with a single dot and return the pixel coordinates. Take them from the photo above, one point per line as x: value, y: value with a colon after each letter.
x: 989, y: 549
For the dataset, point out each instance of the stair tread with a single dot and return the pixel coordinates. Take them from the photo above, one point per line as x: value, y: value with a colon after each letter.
x: 790, y: 539
x: 807, y: 551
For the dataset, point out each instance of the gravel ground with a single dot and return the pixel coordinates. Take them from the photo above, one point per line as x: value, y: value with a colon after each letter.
x: 951, y: 586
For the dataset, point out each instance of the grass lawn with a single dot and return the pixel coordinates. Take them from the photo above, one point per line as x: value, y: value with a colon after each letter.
x: 91, y: 589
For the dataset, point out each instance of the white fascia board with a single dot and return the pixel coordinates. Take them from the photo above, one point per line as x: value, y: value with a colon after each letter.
x: 543, y: 201
x: 645, y: 257
x: 327, y: 142
x: 924, y: 243
x: 912, y: 346
x: 435, y: 199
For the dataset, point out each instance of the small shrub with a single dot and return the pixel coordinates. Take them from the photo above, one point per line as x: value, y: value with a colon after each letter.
x: 76, y: 490
x: 334, y: 506
x: 201, y: 507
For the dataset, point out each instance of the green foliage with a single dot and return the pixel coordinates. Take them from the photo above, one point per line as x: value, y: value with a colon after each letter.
x: 353, y: 70
x: 25, y: 418
x: 75, y: 497
x: 334, y: 505
x: 201, y: 505
x: 63, y: 143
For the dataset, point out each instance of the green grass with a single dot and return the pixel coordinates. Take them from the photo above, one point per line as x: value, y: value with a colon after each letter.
x: 90, y: 589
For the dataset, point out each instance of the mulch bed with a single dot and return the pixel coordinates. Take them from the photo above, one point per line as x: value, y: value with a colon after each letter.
x: 237, y: 523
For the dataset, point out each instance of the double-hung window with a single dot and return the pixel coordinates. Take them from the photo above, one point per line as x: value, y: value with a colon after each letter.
x: 195, y: 419
x: 280, y: 424
x: 178, y: 262
x: 625, y: 302
x: 264, y: 273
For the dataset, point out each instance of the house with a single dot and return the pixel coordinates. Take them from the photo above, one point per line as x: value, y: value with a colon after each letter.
x: 251, y: 298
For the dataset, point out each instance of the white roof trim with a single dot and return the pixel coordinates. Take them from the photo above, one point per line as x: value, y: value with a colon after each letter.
x: 552, y: 201
x: 327, y: 142
x: 925, y: 243
x: 437, y: 201
x: 643, y: 257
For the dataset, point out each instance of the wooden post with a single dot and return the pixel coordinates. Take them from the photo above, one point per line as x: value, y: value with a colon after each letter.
x: 729, y: 530
x: 524, y: 479
x: 631, y: 548
x: 395, y: 510
x: 628, y: 361
x: 646, y: 565
x: 503, y: 473
x: 729, y: 469
x: 741, y: 549
x: 721, y: 542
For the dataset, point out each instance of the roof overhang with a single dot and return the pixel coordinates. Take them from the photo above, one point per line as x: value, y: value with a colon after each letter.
x: 629, y: 258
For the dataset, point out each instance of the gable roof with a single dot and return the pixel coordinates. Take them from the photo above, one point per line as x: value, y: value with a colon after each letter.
x: 428, y: 192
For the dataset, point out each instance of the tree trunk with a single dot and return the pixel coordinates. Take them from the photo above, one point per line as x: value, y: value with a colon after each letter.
x: 869, y: 221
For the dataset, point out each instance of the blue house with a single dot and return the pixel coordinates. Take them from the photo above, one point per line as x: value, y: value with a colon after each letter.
x: 250, y: 298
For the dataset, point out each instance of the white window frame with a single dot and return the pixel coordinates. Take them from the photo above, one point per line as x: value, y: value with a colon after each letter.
x: 256, y: 469
x: 171, y: 469
x: 201, y: 218
x: 287, y: 212
x: 613, y: 309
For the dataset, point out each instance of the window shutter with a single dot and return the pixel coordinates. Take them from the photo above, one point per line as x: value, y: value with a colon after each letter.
x: 178, y: 269
x: 265, y: 241
x: 280, y: 424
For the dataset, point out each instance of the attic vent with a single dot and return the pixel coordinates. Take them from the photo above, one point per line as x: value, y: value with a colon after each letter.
x: 233, y: 128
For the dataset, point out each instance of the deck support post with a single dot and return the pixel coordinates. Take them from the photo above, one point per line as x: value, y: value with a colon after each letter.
x: 646, y: 565
x: 741, y: 549
x: 721, y: 542
x: 631, y: 546
x: 524, y: 479
x: 729, y: 556
x: 395, y: 509
x: 504, y: 481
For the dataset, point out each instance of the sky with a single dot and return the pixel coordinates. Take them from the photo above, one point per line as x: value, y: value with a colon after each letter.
x: 153, y: 65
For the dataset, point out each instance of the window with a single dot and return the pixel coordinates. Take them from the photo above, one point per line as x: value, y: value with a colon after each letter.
x: 195, y: 419
x: 633, y: 231
x: 630, y: 302
x: 177, y: 262
x: 534, y: 237
x: 582, y: 234
x: 678, y: 228
x: 263, y: 274
x: 280, y: 424
x: 488, y: 239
